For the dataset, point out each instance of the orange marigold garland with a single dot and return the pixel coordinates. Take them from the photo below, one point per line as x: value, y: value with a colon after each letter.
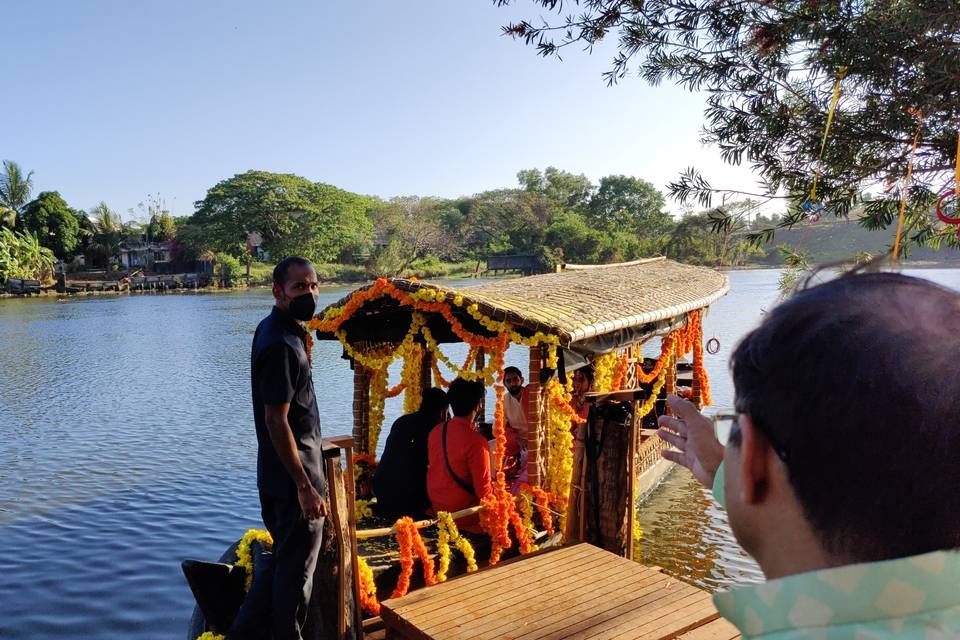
x: 408, y: 537
x: 617, y: 382
x: 699, y: 373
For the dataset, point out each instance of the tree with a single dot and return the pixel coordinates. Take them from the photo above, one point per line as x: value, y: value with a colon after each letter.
x: 15, y: 191
x: 292, y: 215
x: 769, y: 68
x: 571, y: 234
x: 55, y: 224
x: 161, y: 227
x: 412, y: 229
x: 565, y: 190
x: 22, y: 256
x: 625, y: 203
x: 108, y: 233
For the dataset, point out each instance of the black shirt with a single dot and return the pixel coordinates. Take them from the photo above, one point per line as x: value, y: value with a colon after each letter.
x: 400, y: 483
x: 280, y: 372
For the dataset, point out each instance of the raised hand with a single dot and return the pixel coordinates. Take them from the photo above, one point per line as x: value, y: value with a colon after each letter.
x: 692, y: 434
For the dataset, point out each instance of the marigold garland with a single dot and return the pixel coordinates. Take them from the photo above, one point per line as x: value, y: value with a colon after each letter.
x: 603, y: 368
x: 210, y: 635
x: 245, y: 556
x: 412, y: 359
x: 362, y: 509
x: 408, y: 537
x: 618, y: 377
x: 368, y: 588
x: 447, y: 532
x: 699, y: 372
x: 378, y: 391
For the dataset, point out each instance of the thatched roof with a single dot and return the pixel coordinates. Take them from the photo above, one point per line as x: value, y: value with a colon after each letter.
x: 578, y: 305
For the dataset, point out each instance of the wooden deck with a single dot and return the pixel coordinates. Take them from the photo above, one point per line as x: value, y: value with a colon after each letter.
x: 579, y: 591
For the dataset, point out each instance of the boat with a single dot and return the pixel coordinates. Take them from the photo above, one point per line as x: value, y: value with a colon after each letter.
x: 634, y: 323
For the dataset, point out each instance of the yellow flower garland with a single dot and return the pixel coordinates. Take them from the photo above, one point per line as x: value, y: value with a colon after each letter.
x: 560, y: 460
x: 245, y: 557
x: 447, y: 532
x: 362, y: 509
x: 604, y: 369
x: 210, y: 635
x: 378, y: 391
x: 368, y: 588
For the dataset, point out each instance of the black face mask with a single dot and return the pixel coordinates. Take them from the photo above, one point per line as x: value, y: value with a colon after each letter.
x: 303, y: 306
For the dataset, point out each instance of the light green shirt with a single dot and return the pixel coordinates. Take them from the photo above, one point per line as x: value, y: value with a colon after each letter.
x: 916, y: 597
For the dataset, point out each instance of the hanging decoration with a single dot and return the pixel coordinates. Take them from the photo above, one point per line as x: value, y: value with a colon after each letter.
x: 812, y: 206
x: 245, y: 555
x: 905, y: 192
x: 448, y: 533
x: 368, y: 588
x: 411, y: 544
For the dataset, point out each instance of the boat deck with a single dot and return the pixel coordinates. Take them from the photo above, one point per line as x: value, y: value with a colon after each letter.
x: 579, y: 591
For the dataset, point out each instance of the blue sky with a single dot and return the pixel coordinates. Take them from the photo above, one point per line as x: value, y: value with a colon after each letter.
x: 115, y: 100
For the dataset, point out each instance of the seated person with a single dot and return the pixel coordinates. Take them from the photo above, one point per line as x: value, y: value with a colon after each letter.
x: 582, y: 385
x: 400, y: 483
x: 458, y: 475
x: 515, y: 408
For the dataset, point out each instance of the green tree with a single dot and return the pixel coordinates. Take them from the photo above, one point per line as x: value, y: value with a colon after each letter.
x: 768, y: 70
x: 574, y: 238
x: 22, y: 256
x: 413, y: 229
x: 564, y: 189
x: 161, y: 226
x: 15, y: 188
x: 629, y: 204
x: 53, y: 222
x: 292, y: 214
x: 108, y: 232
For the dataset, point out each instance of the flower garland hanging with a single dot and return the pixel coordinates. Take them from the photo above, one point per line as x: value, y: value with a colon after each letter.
x: 210, y: 635
x: 412, y: 359
x: 617, y: 383
x: 604, y: 367
x: 447, y: 532
x: 245, y: 556
x: 408, y: 537
x: 438, y: 379
x: 529, y: 497
x: 362, y: 509
x: 378, y: 391
x: 368, y: 588
x: 699, y: 372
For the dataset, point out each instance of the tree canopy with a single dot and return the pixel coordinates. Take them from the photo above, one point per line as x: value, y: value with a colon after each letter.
x: 55, y: 224
x: 291, y: 214
x: 768, y: 68
x: 15, y: 189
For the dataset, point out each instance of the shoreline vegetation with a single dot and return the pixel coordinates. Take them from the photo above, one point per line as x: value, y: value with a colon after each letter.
x: 248, y: 222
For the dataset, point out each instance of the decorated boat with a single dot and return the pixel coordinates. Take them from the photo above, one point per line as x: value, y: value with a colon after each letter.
x: 637, y: 325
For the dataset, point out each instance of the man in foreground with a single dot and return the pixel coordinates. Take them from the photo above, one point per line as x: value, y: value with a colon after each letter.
x: 400, y: 483
x: 290, y: 474
x: 841, y: 474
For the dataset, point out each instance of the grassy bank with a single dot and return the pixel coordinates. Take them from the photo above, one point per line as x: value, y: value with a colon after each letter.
x: 262, y: 272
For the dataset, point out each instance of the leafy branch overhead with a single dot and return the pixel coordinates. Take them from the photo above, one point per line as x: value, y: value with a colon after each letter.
x: 768, y: 68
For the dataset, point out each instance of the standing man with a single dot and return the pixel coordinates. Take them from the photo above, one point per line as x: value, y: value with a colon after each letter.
x: 290, y: 475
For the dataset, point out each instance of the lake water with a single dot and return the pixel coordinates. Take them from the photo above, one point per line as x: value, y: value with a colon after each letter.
x: 128, y: 445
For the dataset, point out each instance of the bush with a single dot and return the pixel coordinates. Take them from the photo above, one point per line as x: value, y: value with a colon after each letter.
x: 226, y: 268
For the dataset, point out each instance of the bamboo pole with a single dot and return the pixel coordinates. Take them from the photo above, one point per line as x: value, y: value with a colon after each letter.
x: 365, y: 534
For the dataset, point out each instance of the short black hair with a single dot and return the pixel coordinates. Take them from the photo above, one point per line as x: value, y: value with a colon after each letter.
x: 464, y: 396
x: 283, y: 267
x: 587, y: 372
x: 433, y: 400
x: 852, y: 380
x: 512, y: 369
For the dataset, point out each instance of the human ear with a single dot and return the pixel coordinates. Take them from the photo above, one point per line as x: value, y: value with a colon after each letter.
x: 755, y: 452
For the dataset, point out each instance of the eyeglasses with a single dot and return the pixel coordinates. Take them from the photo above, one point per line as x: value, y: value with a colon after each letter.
x: 726, y: 424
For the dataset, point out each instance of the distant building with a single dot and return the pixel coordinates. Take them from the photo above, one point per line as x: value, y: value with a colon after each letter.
x: 152, y: 256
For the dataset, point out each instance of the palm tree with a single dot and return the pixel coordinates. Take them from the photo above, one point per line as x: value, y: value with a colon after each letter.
x: 15, y: 190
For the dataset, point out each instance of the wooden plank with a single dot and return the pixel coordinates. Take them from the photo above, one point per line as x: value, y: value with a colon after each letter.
x: 545, y: 564
x: 640, y: 624
x: 719, y: 629
x: 558, y: 611
x: 648, y: 606
x: 502, y: 607
x: 688, y: 617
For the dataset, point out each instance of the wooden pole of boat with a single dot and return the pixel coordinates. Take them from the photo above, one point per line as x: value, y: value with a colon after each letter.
x: 361, y: 409
x: 632, y: 479
x: 426, y: 369
x: 533, y: 417
x: 331, y: 473
x: 346, y: 443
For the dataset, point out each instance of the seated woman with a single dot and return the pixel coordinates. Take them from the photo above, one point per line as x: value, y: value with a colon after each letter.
x: 400, y: 483
x: 458, y: 475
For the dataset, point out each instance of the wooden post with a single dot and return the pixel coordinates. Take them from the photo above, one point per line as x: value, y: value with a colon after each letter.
x: 361, y: 407
x: 426, y: 369
x: 533, y: 417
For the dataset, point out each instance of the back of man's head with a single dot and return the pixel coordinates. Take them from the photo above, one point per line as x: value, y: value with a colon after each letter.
x: 464, y: 396
x: 434, y: 401
x: 855, y: 381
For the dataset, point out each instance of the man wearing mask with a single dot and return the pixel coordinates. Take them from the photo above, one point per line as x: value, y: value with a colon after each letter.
x: 290, y: 476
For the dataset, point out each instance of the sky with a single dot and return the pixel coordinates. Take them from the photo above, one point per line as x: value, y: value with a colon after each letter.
x: 117, y: 100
